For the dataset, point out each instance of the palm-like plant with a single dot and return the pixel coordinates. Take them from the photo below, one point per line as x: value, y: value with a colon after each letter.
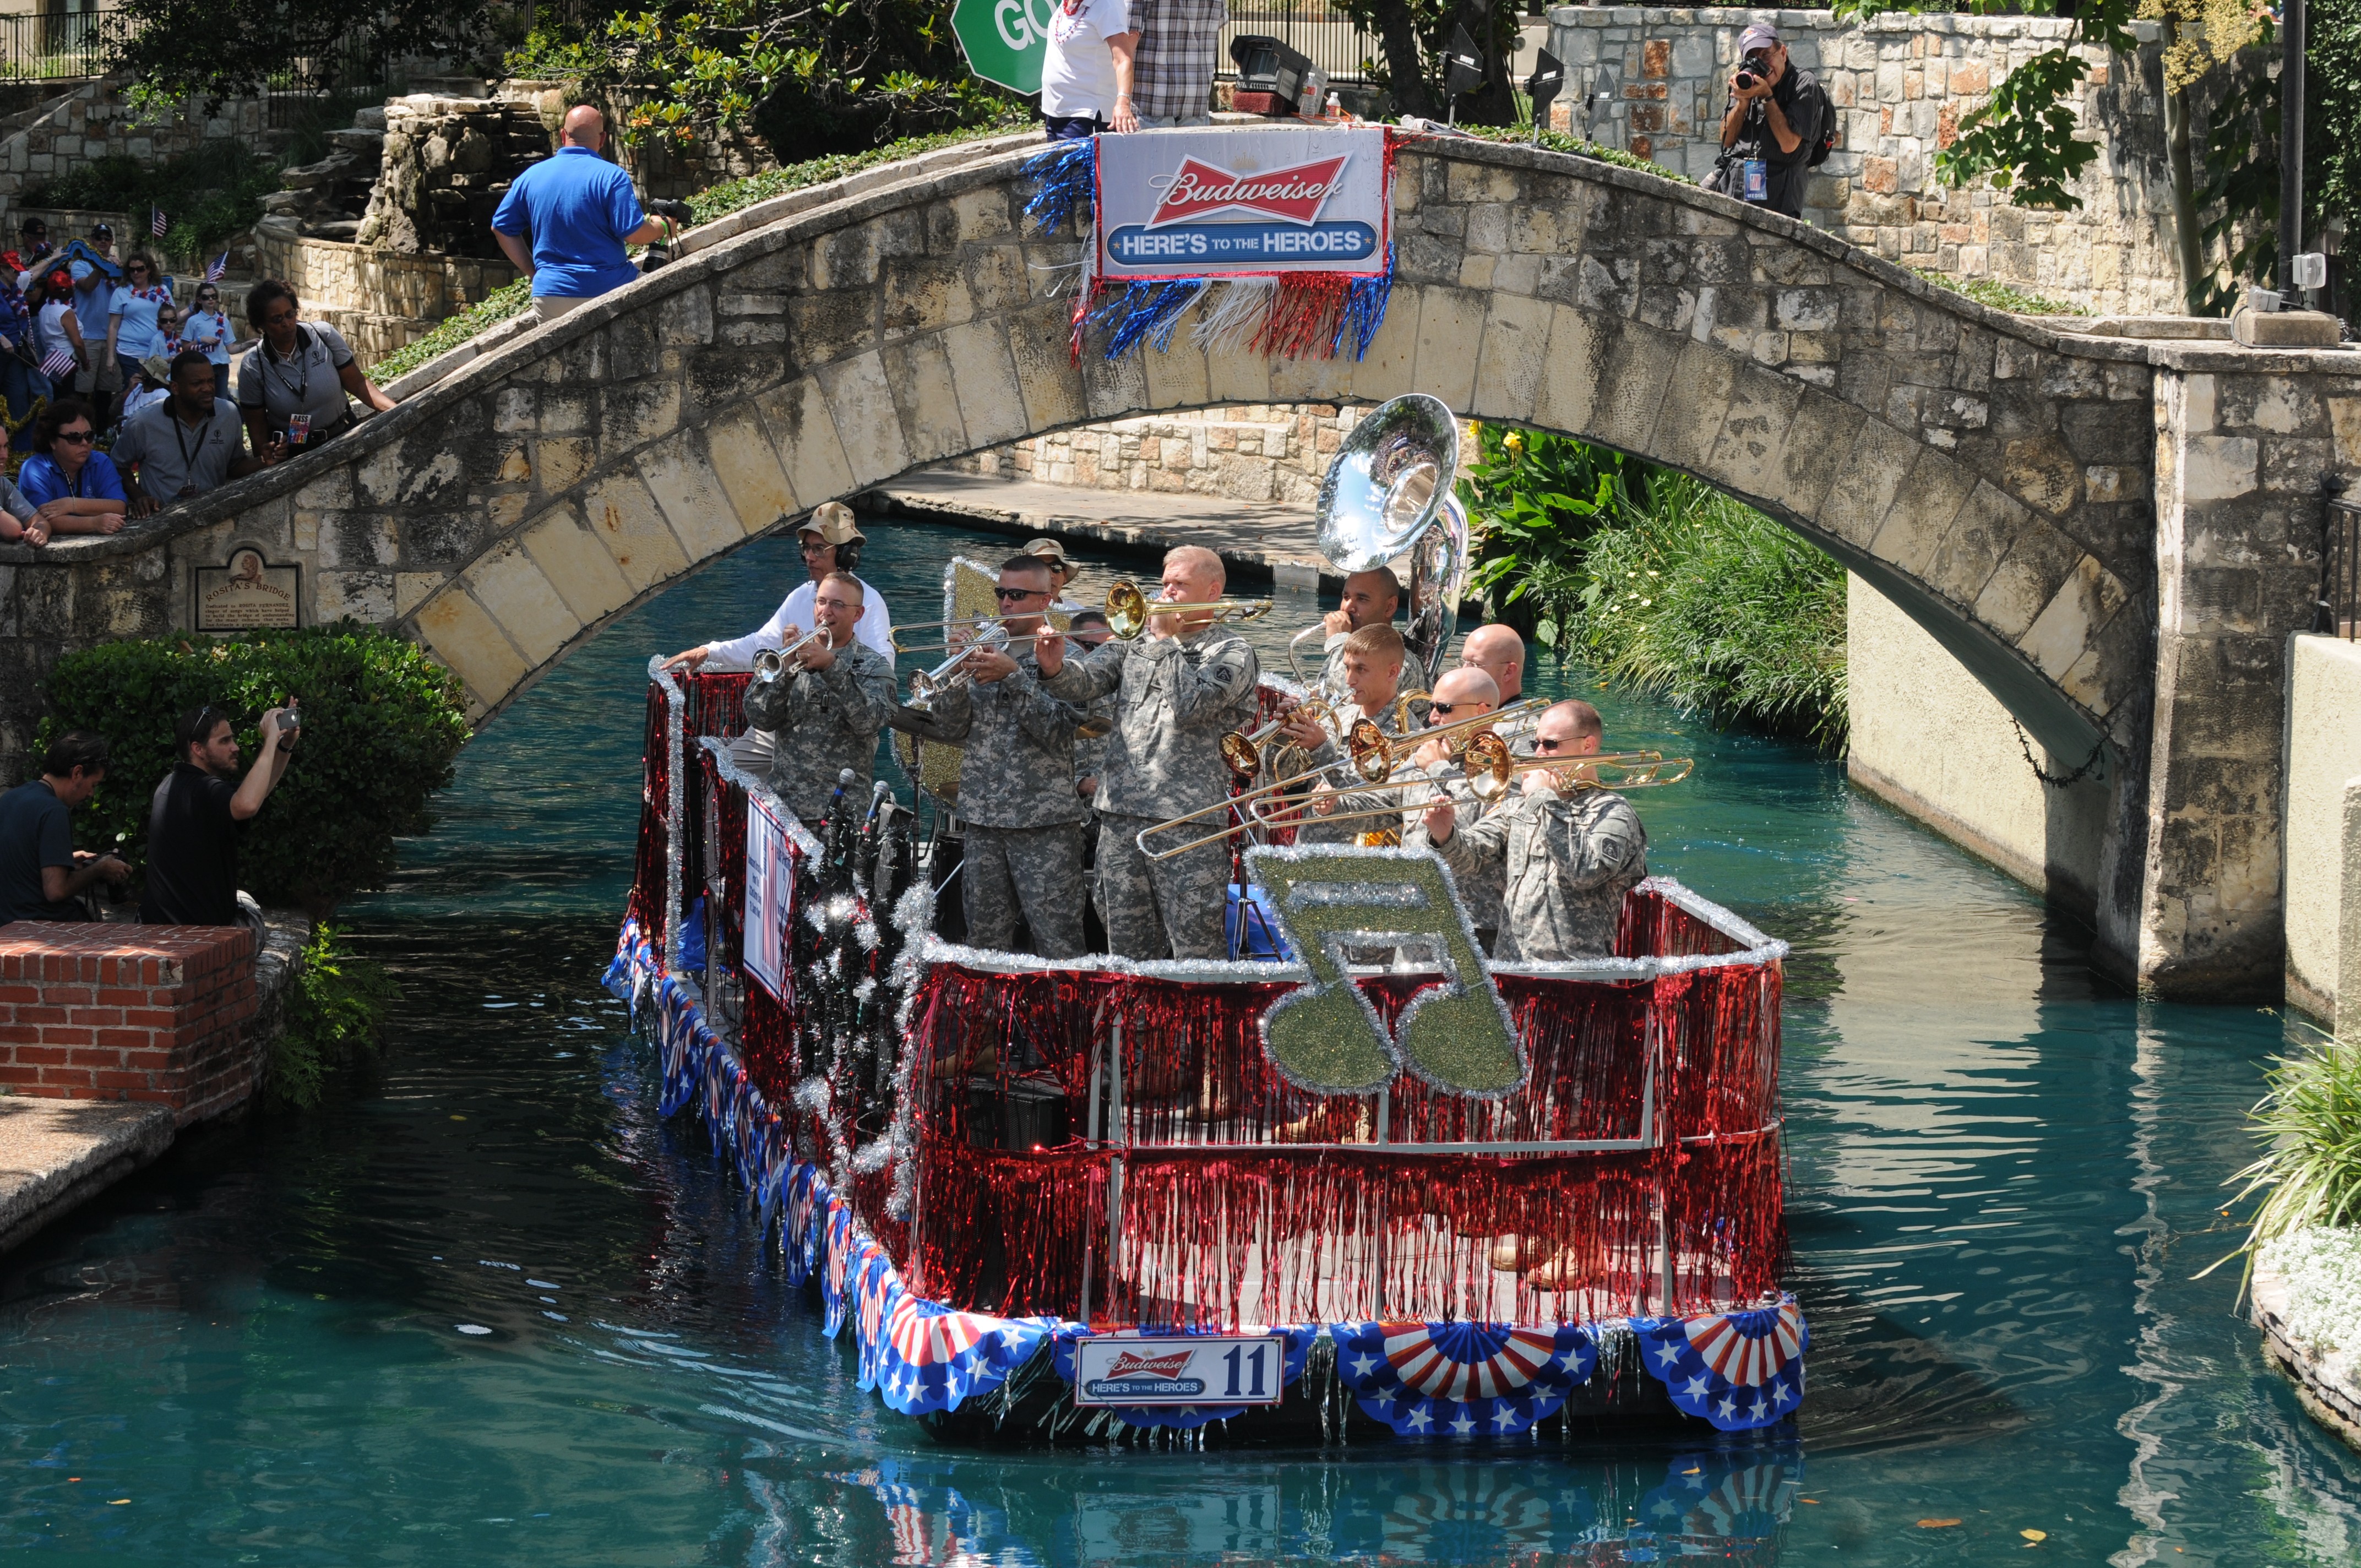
x: 2309, y: 1120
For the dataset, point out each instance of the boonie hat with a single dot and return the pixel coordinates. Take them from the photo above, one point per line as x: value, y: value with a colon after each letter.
x: 833, y: 522
x: 1049, y: 550
x: 158, y: 366
x: 1758, y: 35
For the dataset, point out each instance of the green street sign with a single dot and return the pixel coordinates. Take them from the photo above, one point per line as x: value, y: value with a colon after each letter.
x: 1005, y: 39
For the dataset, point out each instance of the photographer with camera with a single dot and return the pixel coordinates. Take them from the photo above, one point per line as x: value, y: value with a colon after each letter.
x: 197, y: 814
x: 565, y: 221
x: 1779, y: 125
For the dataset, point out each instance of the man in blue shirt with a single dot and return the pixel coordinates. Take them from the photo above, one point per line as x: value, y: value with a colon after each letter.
x: 41, y: 873
x: 580, y: 212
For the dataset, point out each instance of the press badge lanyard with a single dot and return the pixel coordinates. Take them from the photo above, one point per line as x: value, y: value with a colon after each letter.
x: 187, y: 459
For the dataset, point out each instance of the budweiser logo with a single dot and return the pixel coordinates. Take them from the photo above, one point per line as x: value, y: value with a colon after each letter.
x: 1296, y: 194
x: 1131, y: 1363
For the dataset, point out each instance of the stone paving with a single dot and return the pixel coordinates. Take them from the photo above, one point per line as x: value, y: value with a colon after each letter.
x: 56, y: 1154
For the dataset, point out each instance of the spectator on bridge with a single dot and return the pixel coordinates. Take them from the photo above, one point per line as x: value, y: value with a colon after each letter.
x: 20, y: 360
x: 297, y: 382
x: 1086, y: 89
x: 96, y: 275
x: 831, y: 540
x: 207, y: 327
x: 1179, y: 43
x: 580, y: 212
x: 152, y: 387
x: 42, y: 875
x: 57, y: 331
x: 188, y: 443
x: 1777, y: 116
x: 196, y: 815
x: 73, y: 486
x: 32, y: 248
x: 134, y: 319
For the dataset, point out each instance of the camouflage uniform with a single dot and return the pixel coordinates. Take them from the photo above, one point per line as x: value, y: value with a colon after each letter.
x: 1312, y: 828
x: 1479, y: 886
x: 1017, y: 805
x: 1175, y: 698
x: 1565, y: 863
x: 824, y: 722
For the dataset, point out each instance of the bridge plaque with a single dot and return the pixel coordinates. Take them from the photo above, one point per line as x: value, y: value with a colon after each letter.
x: 249, y: 594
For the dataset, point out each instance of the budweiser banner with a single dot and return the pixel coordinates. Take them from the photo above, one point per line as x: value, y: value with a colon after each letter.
x: 1228, y: 203
x: 1272, y: 240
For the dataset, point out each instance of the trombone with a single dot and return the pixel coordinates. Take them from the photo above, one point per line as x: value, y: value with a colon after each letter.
x: 1128, y: 610
x: 1491, y: 769
x: 1382, y: 753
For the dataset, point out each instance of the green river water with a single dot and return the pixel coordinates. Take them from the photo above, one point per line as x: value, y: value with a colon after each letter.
x: 2004, y: 1176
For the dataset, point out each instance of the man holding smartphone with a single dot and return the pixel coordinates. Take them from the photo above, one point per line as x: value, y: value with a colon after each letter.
x: 1778, y: 119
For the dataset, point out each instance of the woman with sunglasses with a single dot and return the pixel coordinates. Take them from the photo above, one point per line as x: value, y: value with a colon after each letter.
x: 73, y: 485
x: 133, y: 329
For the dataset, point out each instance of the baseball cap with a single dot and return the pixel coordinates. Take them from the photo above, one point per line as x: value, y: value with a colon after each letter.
x: 1758, y: 35
x: 101, y: 231
x: 834, y: 523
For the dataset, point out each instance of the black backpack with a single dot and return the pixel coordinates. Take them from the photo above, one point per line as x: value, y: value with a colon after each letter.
x: 1828, y: 137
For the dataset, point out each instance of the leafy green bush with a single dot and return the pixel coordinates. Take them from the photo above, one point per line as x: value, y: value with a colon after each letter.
x: 208, y: 195
x: 1563, y: 141
x: 484, y: 315
x: 722, y: 200
x: 2000, y: 296
x: 1662, y: 582
x: 382, y: 725
x: 335, y: 1006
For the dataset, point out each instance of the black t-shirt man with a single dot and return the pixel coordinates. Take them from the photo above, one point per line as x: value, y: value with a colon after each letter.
x: 34, y: 833
x: 1801, y: 110
x: 197, y: 815
x: 192, y: 851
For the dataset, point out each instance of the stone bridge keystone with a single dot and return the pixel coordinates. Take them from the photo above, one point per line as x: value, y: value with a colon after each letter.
x: 2116, y: 536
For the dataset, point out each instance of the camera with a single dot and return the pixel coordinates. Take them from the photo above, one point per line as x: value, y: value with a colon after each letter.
x: 660, y: 253
x: 1757, y: 69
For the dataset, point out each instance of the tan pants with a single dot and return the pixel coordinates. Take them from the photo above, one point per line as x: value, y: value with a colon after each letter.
x: 552, y: 306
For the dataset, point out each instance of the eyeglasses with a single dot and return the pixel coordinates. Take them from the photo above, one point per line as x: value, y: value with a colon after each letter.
x: 1549, y: 743
x: 79, y: 437
x: 1449, y: 707
x: 1005, y: 595
x: 813, y: 546
x: 839, y: 604
x: 278, y: 318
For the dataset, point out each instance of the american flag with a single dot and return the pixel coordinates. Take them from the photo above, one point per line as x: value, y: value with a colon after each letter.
x: 218, y: 266
x: 58, y: 365
x: 157, y: 222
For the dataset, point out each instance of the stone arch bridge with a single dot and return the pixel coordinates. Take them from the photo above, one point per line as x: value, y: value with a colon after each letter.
x: 2114, y: 535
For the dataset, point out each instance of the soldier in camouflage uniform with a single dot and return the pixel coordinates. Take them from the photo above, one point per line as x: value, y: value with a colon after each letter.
x: 1177, y: 691
x: 1463, y: 693
x: 1089, y: 631
x: 1564, y: 860
x: 824, y: 712
x: 1016, y: 798
x: 1369, y: 664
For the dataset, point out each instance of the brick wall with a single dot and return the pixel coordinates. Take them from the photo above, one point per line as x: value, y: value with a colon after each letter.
x: 110, y: 1012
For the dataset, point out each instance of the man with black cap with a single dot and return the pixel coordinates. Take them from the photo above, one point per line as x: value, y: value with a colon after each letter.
x: 831, y: 540
x: 1771, y: 132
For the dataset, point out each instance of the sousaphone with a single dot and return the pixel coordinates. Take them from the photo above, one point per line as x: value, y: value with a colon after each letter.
x: 1389, y: 491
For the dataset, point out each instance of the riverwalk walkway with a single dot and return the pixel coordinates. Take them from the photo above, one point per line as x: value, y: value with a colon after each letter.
x: 1258, y: 540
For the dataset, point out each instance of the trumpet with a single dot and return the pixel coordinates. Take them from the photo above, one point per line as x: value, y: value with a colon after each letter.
x: 1128, y: 610
x: 928, y: 685
x: 772, y: 663
x: 1491, y: 769
x: 1243, y: 748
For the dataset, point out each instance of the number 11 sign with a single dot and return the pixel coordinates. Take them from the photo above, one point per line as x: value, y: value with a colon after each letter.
x: 1194, y: 1369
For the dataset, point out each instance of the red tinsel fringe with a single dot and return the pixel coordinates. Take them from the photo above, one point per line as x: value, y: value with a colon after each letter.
x: 1303, y: 315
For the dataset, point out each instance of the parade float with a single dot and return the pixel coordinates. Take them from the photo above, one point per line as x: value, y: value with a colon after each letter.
x: 1291, y: 1194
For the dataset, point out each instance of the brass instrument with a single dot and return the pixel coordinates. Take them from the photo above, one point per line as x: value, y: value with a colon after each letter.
x: 895, y: 631
x: 1387, y: 751
x: 1244, y: 748
x: 1491, y: 770
x: 1128, y: 610
x: 1365, y: 754
x: 928, y: 684
x: 772, y: 663
x: 1295, y: 661
x: 1387, y: 491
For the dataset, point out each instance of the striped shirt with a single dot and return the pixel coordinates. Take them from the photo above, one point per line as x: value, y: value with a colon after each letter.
x: 1172, y: 75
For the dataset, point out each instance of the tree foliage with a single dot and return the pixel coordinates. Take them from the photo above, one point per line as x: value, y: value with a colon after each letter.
x: 1413, y: 35
x: 382, y: 726
x: 226, y: 49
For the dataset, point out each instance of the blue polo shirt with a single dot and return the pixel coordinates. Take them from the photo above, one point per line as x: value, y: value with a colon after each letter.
x: 577, y: 207
x: 43, y: 481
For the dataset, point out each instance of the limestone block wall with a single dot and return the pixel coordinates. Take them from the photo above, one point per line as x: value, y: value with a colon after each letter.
x: 447, y: 163
x: 1930, y: 740
x: 1900, y: 85
x: 90, y: 122
x: 1251, y: 452
x: 381, y: 300
x: 2323, y: 841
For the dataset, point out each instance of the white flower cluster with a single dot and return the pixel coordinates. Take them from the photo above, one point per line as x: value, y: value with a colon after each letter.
x: 2322, y: 1269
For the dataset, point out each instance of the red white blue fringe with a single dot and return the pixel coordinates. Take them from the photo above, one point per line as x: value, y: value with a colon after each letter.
x: 1738, y: 1370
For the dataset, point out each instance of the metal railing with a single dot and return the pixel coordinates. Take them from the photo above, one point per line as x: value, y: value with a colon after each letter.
x: 56, y: 45
x: 1334, y: 41
x: 2337, y: 612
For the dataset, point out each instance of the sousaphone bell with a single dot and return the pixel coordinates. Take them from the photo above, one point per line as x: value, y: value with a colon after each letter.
x: 1390, y: 490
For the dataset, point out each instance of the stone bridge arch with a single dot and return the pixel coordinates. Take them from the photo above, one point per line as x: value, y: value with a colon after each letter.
x: 1993, y: 476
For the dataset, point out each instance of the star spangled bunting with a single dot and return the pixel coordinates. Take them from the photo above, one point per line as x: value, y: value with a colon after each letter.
x: 1462, y: 1380
x: 1761, y: 1351
x: 217, y: 268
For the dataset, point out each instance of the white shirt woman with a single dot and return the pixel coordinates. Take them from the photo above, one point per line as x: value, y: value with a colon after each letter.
x: 1086, y: 72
